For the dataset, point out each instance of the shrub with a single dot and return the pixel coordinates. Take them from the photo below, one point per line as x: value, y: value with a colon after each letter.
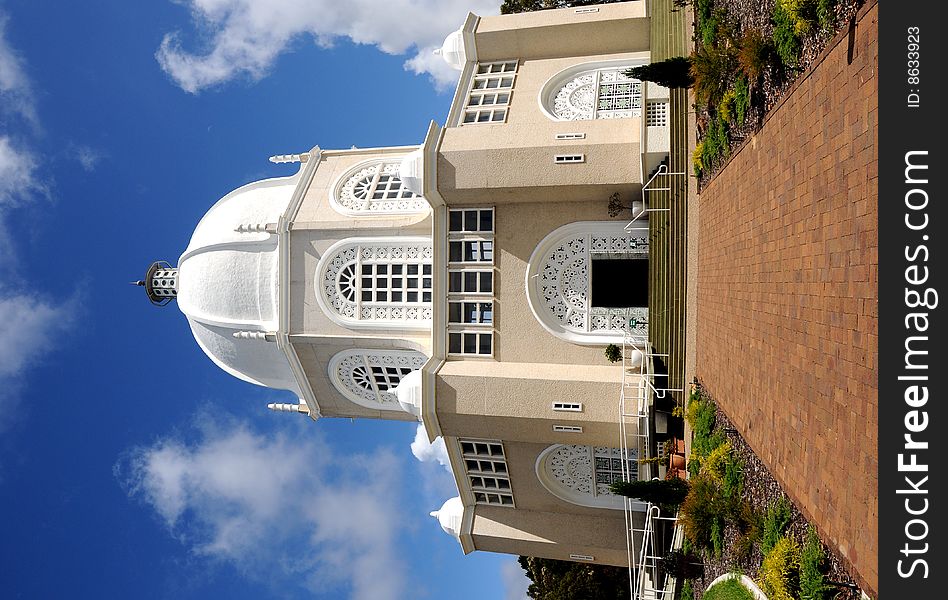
x: 741, y: 99
x: 711, y: 68
x: 786, y: 41
x: 775, y: 523
x: 672, y: 72
x: 726, y: 106
x: 717, y: 537
x: 732, y: 479
x: 702, y: 512
x: 683, y: 565
x: 780, y: 571
x: 666, y: 494
x: 687, y: 592
x: 755, y: 54
x: 697, y: 159
x: 613, y: 353
x: 802, y: 14
x: 716, y: 146
x: 714, y: 463
x: 826, y: 14
x: 813, y: 585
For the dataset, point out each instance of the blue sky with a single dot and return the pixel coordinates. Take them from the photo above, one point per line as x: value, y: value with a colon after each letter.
x: 130, y: 466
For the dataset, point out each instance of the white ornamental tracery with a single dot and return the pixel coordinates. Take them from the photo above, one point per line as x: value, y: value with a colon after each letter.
x: 558, y: 284
x: 366, y: 282
x: 367, y: 377
x: 376, y: 188
x: 598, y: 94
x: 582, y: 474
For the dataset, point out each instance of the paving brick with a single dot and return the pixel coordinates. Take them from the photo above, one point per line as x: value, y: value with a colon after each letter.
x: 787, y: 296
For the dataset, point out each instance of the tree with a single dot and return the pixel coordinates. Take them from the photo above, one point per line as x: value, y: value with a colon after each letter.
x: 564, y: 580
x: 672, y: 72
x: 667, y: 494
x: 519, y: 6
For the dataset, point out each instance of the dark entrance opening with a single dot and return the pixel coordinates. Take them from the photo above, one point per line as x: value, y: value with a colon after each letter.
x: 617, y: 283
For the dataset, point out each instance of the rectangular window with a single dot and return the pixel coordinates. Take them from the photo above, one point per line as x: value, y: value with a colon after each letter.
x: 470, y: 342
x: 471, y: 220
x: 581, y: 557
x: 490, y: 92
x: 471, y: 282
x: 570, y: 136
x: 656, y: 114
x: 568, y: 406
x: 471, y: 313
x: 561, y: 159
x: 487, y: 474
x: 471, y: 251
x: 567, y: 429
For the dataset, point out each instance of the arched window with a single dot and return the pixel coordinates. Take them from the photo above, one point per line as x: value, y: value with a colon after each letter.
x: 587, y: 282
x: 374, y: 187
x: 377, y: 282
x: 582, y: 474
x: 367, y: 377
x: 593, y: 91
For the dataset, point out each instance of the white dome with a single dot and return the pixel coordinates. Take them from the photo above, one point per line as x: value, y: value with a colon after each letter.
x: 450, y: 515
x: 452, y: 50
x: 408, y: 392
x: 228, y: 280
x: 412, y: 171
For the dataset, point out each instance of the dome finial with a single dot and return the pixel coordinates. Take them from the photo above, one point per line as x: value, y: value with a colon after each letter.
x: 160, y: 283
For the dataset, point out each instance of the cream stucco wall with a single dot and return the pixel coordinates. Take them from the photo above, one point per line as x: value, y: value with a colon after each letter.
x: 513, y: 401
x: 516, y: 158
x: 607, y: 28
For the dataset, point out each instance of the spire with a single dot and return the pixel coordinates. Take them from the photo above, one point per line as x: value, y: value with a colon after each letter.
x: 160, y: 283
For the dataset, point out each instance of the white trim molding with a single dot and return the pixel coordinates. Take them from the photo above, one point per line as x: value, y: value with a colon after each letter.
x: 558, y: 282
x: 570, y: 473
x: 572, y: 94
x: 374, y: 187
x: 403, y: 302
x: 368, y: 377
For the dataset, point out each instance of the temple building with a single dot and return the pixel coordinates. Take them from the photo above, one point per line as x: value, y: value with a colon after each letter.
x: 470, y: 283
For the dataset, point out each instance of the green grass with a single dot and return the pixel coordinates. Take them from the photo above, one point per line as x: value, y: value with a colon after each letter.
x: 729, y: 589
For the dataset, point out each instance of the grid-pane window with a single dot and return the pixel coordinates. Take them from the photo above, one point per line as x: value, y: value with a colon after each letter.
x: 470, y: 282
x: 469, y: 251
x: 598, y: 94
x: 490, y: 93
x: 656, y: 114
x: 470, y: 342
x: 472, y: 313
x: 395, y: 282
x: 486, y: 468
x: 607, y: 466
x: 471, y: 220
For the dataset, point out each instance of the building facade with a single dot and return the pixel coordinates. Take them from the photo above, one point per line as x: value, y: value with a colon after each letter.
x: 470, y: 283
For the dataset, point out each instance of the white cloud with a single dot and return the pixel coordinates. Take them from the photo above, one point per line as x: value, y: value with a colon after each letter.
x: 18, y: 181
x: 246, y: 36
x: 88, y: 157
x: 28, y: 326
x: 426, y: 451
x: 514, y: 580
x: 250, y: 499
x: 15, y: 90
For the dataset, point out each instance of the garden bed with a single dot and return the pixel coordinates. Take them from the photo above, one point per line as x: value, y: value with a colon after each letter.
x: 748, y: 53
x: 764, y: 515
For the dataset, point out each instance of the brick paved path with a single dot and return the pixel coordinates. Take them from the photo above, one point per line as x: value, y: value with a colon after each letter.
x: 787, y: 295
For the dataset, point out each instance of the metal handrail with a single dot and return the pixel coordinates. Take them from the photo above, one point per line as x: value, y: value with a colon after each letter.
x: 662, y: 170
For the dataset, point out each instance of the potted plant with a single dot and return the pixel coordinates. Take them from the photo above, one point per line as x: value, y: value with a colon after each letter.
x: 613, y: 353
